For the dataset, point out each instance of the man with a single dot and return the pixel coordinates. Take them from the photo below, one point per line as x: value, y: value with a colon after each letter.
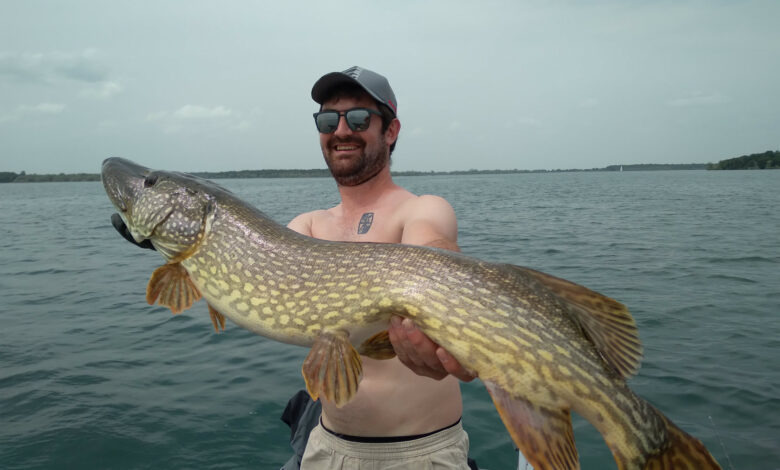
x: 407, y: 410
x: 406, y: 413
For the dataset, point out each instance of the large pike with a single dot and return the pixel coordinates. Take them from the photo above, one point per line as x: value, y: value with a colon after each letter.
x: 543, y: 346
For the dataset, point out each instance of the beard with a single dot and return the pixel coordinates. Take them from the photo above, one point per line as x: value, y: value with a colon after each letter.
x: 370, y: 162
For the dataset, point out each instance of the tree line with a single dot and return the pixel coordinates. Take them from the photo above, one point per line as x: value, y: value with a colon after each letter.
x: 756, y: 161
x: 759, y: 161
x: 10, y: 177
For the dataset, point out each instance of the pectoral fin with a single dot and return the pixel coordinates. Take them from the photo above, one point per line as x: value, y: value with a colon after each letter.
x: 333, y: 368
x: 544, y: 435
x: 378, y: 346
x: 171, y: 286
x: 217, y: 319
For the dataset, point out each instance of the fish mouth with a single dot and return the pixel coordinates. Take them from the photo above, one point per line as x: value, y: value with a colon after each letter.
x: 123, y: 181
x: 126, y: 184
x: 139, y: 237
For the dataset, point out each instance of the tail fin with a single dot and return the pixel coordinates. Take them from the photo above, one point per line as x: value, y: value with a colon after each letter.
x: 682, y: 452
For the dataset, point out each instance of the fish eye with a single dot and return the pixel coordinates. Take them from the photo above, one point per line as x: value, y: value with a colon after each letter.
x: 150, y: 180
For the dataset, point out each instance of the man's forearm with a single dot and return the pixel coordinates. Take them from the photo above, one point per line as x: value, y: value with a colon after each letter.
x: 444, y: 244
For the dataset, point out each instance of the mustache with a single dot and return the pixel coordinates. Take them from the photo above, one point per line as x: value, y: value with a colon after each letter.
x: 345, y: 140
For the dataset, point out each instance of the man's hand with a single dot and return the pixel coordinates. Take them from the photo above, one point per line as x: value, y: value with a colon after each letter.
x: 120, y: 227
x: 421, y: 355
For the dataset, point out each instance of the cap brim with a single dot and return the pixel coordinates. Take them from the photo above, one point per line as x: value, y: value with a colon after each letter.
x: 326, y: 83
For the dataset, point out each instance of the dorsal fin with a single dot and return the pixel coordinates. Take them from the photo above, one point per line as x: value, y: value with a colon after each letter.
x: 607, y: 322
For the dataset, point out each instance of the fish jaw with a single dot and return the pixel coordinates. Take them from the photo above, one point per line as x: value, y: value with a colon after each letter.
x: 123, y: 181
x: 167, y: 208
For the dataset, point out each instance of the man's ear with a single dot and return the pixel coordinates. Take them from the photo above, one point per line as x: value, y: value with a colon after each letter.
x: 391, y: 134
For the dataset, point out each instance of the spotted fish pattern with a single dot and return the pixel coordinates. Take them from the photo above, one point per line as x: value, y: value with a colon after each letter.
x: 543, y: 346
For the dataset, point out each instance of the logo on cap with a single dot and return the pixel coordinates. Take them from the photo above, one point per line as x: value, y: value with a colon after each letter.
x: 353, y: 72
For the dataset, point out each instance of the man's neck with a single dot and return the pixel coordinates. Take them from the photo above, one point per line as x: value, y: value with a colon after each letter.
x: 357, y: 198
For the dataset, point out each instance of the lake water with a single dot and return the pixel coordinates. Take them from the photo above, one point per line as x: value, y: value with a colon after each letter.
x: 91, y: 377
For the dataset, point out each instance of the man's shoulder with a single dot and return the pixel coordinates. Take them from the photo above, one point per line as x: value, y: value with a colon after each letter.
x: 425, y: 204
x: 429, y: 220
x: 303, y: 223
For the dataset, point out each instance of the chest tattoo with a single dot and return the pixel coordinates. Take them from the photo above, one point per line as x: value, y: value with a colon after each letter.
x: 365, y: 223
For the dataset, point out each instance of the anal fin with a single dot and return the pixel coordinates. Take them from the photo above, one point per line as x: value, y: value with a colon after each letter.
x: 333, y: 368
x: 545, y: 436
x: 217, y: 319
x: 378, y: 346
x: 171, y: 286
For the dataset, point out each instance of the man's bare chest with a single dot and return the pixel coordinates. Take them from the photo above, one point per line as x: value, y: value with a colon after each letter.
x: 369, y: 226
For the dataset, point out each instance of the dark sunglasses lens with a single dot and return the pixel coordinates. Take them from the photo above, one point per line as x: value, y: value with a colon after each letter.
x: 358, y: 119
x: 327, y: 122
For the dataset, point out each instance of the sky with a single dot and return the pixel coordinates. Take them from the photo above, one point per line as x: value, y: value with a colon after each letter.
x: 217, y: 86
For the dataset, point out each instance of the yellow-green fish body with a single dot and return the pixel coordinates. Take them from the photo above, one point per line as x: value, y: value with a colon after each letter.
x: 543, y: 346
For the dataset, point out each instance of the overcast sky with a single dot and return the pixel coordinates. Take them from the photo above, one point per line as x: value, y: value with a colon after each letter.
x: 195, y: 85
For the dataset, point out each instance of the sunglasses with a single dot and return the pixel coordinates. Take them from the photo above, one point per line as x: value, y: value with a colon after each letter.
x: 358, y: 119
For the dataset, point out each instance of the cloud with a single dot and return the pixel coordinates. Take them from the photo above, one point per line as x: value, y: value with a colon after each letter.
x: 102, y: 90
x: 192, y: 117
x: 21, y: 67
x: 699, y: 99
x: 43, y: 108
x: 201, y: 112
x: 81, y: 66
x: 85, y: 67
x: 26, y: 110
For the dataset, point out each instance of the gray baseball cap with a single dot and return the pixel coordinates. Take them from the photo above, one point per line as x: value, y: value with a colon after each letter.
x: 375, y: 85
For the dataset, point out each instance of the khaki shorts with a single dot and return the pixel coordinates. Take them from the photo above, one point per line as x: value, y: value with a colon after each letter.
x: 446, y: 449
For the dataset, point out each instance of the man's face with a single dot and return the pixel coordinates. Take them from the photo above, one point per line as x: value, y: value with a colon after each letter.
x: 354, y: 157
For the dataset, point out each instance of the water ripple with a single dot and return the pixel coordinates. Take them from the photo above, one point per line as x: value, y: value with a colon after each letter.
x: 99, y: 379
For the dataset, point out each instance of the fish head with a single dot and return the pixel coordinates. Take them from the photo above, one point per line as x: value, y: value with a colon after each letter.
x: 173, y: 210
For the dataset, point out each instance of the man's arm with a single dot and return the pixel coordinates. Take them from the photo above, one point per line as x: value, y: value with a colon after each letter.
x: 301, y: 224
x: 430, y: 222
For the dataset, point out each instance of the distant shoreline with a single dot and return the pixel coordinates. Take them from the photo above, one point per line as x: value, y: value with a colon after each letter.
x: 9, y: 177
x: 757, y: 161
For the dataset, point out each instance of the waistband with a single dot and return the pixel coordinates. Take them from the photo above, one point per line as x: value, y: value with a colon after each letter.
x: 385, y: 439
x: 378, y: 447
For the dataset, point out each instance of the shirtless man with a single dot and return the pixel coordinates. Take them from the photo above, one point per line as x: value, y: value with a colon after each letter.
x: 418, y: 393
x: 406, y: 413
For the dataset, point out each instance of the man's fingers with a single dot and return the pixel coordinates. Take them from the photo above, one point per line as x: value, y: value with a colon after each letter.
x: 399, y: 340
x: 452, y: 366
x: 407, y: 342
x: 403, y: 347
x: 421, y: 354
x: 424, y: 350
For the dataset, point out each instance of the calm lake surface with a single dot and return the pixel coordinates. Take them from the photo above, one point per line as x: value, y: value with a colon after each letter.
x: 92, y: 377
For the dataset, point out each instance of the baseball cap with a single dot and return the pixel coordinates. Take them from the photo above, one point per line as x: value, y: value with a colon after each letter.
x: 375, y: 85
